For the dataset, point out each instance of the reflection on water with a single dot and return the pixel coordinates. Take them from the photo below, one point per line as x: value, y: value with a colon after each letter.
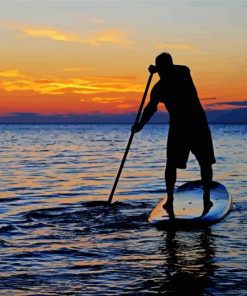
x: 55, y: 239
x: 190, y: 262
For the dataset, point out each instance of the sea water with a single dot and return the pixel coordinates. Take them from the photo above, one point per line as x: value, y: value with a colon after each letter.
x: 55, y: 241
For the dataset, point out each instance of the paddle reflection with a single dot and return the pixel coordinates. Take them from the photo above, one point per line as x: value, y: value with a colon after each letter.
x: 189, y: 266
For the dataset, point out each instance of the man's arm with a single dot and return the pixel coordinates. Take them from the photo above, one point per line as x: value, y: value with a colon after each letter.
x: 148, y: 112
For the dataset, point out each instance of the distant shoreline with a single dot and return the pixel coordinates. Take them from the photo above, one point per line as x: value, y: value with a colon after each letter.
x: 233, y: 116
x: 107, y: 123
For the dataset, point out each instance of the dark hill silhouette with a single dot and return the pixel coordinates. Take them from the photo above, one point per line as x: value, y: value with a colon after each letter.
x: 228, y: 116
x: 214, y: 116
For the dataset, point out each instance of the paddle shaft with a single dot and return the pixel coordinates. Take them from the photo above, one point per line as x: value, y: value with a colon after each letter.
x: 130, y: 138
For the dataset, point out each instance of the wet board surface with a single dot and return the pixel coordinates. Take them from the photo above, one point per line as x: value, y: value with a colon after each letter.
x: 189, y: 207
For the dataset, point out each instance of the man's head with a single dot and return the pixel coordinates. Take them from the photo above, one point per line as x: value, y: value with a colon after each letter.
x: 163, y: 63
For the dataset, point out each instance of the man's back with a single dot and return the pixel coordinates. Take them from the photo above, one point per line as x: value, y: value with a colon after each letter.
x: 177, y: 91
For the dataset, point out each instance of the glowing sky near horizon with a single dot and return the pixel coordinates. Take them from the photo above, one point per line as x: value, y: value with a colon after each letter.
x: 81, y: 56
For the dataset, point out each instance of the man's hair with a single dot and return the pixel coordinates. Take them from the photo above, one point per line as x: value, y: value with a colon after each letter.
x: 164, y: 59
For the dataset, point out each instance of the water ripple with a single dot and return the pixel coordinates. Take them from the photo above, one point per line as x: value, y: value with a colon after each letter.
x: 59, y: 236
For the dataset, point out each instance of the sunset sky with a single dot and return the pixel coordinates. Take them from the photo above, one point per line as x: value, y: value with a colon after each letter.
x: 87, y: 56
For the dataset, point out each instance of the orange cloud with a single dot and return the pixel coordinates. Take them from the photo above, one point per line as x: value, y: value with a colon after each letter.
x: 111, y: 36
x: 12, y: 73
x: 53, y: 34
x: 115, y: 37
x: 30, y: 101
x: 16, y: 81
x: 104, y: 100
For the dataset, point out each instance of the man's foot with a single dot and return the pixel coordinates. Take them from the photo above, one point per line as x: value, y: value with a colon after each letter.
x: 168, y: 207
x: 207, y: 205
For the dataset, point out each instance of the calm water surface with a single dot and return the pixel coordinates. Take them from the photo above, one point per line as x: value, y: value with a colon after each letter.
x: 55, y: 241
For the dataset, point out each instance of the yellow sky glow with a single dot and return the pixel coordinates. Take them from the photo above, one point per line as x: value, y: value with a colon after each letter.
x: 83, y: 56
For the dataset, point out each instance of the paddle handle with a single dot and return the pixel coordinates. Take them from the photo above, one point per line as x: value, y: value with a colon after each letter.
x: 130, y: 139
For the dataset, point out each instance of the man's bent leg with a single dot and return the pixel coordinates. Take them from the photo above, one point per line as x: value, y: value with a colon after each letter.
x: 170, y: 178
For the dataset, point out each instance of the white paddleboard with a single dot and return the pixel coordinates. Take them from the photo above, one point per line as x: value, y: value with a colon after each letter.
x: 189, y: 207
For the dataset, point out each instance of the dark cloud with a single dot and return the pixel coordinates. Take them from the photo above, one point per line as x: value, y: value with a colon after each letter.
x: 239, y: 103
x: 232, y: 103
x: 208, y: 99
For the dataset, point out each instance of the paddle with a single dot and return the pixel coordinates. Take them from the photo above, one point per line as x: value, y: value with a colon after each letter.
x: 132, y: 134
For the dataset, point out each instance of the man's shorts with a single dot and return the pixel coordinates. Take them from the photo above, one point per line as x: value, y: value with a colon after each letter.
x: 182, y: 140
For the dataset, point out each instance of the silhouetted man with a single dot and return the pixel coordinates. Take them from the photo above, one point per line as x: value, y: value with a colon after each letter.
x: 188, y: 127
